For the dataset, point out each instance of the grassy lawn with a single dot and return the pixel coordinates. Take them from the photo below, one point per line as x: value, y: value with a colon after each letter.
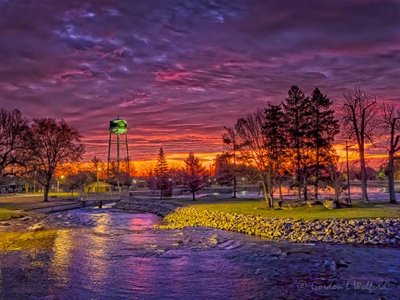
x: 6, y: 214
x: 257, y: 207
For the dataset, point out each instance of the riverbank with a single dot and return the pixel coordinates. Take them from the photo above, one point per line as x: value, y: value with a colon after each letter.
x: 26, y: 212
x: 353, y: 231
x: 154, y: 206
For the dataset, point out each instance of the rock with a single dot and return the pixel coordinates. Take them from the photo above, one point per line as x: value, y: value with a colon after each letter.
x: 310, y: 203
x: 287, y: 226
x: 36, y: 227
x: 277, y: 204
x: 318, y: 227
x: 342, y: 264
x: 330, y: 204
x: 369, y: 231
x: 25, y: 218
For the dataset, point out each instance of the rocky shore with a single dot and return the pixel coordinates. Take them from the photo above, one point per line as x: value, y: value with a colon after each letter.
x: 358, y: 231
x: 136, y: 205
x: 25, y: 222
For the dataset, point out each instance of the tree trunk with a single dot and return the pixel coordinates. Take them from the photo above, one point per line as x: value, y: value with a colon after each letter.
x: 234, y: 186
x: 390, y: 175
x: 305, y: 188
x: 264, y: 190
x: 317, y: 162
x: 316, y: 188
x: 298, y: 179
x: 280, y: 190
x: 337, y: 195
x: 363, y: 175
x: 46, y: 192
x: 194, y: 196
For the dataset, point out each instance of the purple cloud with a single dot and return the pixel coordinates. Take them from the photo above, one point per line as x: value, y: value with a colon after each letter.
x: 180, y: 70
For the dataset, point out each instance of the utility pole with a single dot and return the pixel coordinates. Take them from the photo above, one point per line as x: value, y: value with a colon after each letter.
x: 348, y: 172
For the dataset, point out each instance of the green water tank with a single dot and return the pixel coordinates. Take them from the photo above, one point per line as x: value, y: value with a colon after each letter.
x: 118, y: 126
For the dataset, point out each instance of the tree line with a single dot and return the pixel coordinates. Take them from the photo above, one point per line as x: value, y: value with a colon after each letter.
x: 36, y: 147
x: 293, y: 141
x: 192, y: 177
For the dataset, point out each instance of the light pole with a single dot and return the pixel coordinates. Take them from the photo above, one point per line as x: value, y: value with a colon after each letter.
x: 348, y: 172
x: 58, y: 183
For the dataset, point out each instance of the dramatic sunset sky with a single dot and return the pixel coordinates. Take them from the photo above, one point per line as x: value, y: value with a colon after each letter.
x: 179, y: 70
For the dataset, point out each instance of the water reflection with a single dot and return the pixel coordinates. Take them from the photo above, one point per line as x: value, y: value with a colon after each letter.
x: 122, y: 257
x: 61, y: 259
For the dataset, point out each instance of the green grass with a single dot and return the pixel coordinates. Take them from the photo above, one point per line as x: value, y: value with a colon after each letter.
x: 27, y: 240
x: 6, y: 214
x: 359, y: 210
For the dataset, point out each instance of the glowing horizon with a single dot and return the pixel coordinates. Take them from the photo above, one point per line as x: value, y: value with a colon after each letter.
x: 181, y: 71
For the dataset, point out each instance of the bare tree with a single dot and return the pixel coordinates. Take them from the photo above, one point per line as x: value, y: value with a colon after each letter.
x: 336, y: 177
x: 253, y: 151
x: 98, y: 167
x: 229, y: 138
x: 360, y: 121
x: 391, y: 124
x: 14, y: 132
x: 52, y: 143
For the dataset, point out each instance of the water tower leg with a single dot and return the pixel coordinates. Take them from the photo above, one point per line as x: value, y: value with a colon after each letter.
x: 118, y: 155
x: 108, y: 157
x: 127, y: 155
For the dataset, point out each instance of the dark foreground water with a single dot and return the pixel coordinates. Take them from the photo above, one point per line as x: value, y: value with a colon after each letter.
x: 116, y: 255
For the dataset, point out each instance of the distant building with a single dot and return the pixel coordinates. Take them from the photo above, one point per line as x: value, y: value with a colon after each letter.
x: 98, y: 187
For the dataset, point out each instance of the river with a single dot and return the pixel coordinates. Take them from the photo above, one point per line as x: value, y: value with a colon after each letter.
x: 105, y: 254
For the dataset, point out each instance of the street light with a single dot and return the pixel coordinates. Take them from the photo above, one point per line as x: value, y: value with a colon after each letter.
x: 58, y: 183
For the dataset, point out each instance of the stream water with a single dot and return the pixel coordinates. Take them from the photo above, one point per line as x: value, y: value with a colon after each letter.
x: 103, y: 254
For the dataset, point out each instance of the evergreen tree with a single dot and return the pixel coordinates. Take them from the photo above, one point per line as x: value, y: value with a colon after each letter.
x: 275, y: 141
x: 298, y: 110
x: 161, y: 165
x: 161, y: 173
x: 195, y: 174
x: 324, y: 128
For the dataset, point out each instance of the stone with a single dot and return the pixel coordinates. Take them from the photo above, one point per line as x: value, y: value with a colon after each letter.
x: 342, y: 264
x: 330, y: 204
x: 368, y: 231
x: 318, y: 227
x: 36, y: 227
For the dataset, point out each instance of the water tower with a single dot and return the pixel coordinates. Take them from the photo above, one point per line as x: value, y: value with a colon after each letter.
x: 119, y: 138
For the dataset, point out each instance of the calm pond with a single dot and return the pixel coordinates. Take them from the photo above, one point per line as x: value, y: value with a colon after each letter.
x: 104, y: 254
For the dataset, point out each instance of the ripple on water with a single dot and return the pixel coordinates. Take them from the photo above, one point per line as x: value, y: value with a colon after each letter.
x: 108, y: 255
